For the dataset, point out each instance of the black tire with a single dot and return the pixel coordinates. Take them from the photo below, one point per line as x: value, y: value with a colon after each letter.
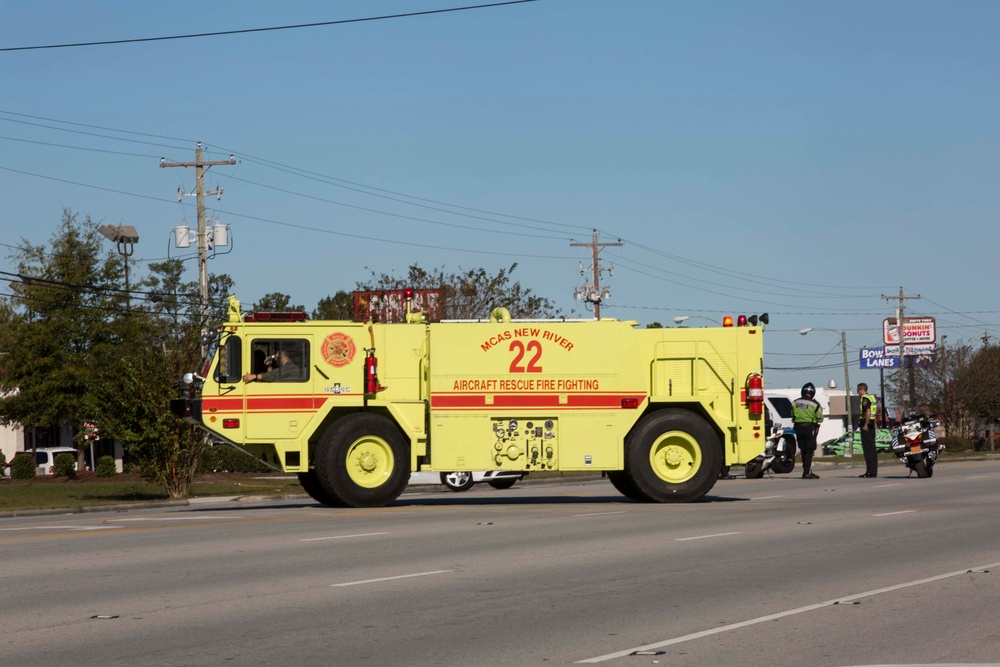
x: 503, y: 482
x: 625, y: 486
x: 930, y: 469
x: 457, y: 481
x: 782, y: 466
x: 311, y: 484
x: 363, y: 460
x: 921, y: 469
x: 673, y: 456
x: 755, y: 469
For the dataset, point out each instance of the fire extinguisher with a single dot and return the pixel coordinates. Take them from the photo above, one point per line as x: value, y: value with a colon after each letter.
x: 371, y: 371
x: 372, y: 385
x: 755, y: 394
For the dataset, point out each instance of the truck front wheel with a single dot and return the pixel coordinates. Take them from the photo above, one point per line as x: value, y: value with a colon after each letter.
x: 363, y: 460
x: 311, y: 485
x: 673, y: 456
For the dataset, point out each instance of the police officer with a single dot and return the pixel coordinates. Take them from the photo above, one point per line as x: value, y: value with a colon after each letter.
x: 866, y: 422
x: 807, y: 415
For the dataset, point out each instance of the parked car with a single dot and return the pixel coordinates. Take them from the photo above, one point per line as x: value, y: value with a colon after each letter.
x: 463, y: 481
x: 839, y: 446
x: 45, y: 459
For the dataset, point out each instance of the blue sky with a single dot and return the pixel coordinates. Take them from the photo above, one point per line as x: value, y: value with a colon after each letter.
x: 799, y: 158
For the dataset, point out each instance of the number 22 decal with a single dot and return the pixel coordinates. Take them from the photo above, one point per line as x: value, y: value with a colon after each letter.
x: 532, y: 367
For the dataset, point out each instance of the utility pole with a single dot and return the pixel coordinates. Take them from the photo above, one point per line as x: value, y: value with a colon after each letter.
x: 200, y: 167
x: 593, y: 293
x: 902, y: 349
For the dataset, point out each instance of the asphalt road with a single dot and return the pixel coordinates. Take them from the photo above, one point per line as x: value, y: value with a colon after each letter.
x: 780, y: 571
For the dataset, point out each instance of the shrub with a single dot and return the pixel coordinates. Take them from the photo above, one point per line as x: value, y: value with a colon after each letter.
x: 106, y: 467
x: 955, y: 444
x: 223, y: 458
x: 64, y: 465
x: 3, y: 465
x: 22, y: 466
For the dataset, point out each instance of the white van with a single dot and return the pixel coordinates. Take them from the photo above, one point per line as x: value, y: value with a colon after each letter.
x: 45, y: 459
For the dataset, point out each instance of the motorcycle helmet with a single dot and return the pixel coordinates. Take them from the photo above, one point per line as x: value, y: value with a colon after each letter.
x: 808, y: 390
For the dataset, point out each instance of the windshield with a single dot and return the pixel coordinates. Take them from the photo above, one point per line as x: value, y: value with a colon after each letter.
x: 783, y: 406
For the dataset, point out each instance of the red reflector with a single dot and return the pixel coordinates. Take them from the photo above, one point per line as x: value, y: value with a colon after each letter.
x: 630, y: 403
x: 230, y: 423
x: 727, y: 321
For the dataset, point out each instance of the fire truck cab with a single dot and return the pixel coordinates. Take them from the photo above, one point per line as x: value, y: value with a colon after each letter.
x: 356, y: 407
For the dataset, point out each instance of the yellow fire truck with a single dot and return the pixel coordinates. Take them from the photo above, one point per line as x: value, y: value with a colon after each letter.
x: 355, y: 407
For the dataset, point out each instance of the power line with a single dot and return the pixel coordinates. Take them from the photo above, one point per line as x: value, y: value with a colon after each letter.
x: 406, y: 217
x: 298, y: 226
x: 268, y: 29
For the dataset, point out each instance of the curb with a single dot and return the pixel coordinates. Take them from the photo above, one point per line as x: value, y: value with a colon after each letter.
x: 91, y: 509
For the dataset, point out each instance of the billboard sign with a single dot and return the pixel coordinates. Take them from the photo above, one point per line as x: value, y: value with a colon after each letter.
x: 912, y: 350
x: 875, y: 357
x: 915, y: 330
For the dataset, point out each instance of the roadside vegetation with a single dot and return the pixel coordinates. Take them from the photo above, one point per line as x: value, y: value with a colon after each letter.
x: 88, y: 490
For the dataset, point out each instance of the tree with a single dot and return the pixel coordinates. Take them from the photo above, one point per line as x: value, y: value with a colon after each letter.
x: 155, y: 345
x: 75, y: 353
x: 978, y: 385
x: 340, y: 306
x: 469, y: 294
x: 276, y: 302
x: 54, y: 327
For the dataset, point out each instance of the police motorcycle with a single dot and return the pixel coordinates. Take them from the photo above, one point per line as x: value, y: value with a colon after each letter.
x: 778, y: 456
x: 916, y: 445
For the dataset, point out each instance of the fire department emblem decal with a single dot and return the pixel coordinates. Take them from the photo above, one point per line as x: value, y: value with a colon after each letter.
x: 338, y: 349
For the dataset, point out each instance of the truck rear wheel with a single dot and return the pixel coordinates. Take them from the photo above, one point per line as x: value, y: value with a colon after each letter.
x: 673, y: 456
x: 362, y: 459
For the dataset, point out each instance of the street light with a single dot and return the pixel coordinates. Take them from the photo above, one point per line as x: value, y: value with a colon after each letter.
x: 126, y: 237
x: 847, y: 379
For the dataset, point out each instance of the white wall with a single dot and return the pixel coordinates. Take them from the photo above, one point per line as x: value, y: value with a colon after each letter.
x: 11, y: 440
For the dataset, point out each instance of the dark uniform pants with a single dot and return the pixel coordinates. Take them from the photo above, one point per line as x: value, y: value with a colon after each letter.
x: 805, y: 435
x: 868, y: 446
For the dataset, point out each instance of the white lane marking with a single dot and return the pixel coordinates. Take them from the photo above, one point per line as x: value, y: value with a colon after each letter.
x: 981, y: 477
x: 599, y: 513
x: 790, y: 612
x: 768, y: 497
x: 401, y: 576
x: 339, y: 537
x: 704, y: 537
x: 183, y: 517
x: 61, y: 528
x: 894, y: 513
x: 883, y: 486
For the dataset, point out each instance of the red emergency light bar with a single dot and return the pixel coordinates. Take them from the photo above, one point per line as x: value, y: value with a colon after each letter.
x: 743, y: 320
x: 276, y: 317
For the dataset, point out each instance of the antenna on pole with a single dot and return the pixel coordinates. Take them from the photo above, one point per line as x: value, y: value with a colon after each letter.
x: 594, y: 293
x: 200, y: 167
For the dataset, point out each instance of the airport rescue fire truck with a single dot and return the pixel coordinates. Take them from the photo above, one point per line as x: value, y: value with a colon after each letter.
x: 363, y: 404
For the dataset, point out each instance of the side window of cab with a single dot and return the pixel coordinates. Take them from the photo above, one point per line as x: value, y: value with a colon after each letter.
x: 280, y: 359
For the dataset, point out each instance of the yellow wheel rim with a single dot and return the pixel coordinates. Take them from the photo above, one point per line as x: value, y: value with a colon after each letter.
x: 675, y: 457
x: 370, y: 461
